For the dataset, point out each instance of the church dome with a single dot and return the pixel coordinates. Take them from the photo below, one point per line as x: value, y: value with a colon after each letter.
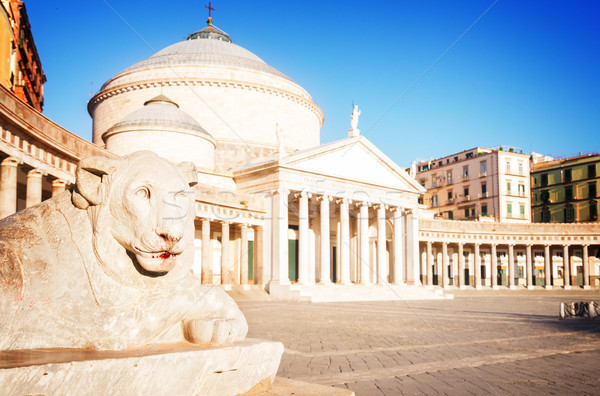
x: 162, y: 113
x: 161, y: 126
x: 237, y: 97
x: 206, y: 48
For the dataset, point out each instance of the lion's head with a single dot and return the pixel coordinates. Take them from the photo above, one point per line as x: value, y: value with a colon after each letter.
x: 141, y: 210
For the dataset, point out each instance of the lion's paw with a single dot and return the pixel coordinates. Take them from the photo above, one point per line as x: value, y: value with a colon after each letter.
x: 214, y: 331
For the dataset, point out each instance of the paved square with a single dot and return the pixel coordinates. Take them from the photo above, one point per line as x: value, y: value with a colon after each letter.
x: 486, y: 342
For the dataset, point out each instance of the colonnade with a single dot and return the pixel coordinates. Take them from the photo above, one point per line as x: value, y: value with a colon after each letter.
x: 234, y: 254
x: 353, y: 245
x: 9, y: 192
x: 501, y: 257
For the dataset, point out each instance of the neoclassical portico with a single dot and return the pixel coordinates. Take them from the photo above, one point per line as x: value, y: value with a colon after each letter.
x: 339, y: 213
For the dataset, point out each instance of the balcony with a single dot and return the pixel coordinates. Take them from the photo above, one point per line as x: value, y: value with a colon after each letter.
x: 483, y: 195
x: 465, y: 177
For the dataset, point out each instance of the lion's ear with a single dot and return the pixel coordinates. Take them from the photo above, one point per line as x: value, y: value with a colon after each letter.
x: 88, y: 178
x: 189, y: 172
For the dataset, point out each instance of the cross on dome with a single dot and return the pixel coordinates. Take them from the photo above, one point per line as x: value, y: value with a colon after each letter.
x: 210, y: 9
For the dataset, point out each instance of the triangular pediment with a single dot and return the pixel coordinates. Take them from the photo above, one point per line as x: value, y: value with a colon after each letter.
x: 353, y: 159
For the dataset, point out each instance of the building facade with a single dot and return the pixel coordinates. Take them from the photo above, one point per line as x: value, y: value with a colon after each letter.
x: 478, y: 184
x: 566, y: 190
x: 20, y: 66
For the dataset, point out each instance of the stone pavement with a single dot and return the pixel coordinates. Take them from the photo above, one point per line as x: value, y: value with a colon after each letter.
x: 482, y: 342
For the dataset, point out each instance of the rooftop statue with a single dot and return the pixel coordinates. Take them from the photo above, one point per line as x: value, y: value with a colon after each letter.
x: 354, y: 117
x: 106, y: 265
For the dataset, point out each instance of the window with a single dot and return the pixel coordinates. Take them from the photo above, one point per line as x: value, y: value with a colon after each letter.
x: 484, y: 210
x: 449, y: 195
x: 569, y: 213
x: 466, y: 212
x: 465, y: 173
x: 420, y: 201
x: 521, y: 190
x: 450, y: 215
x: 592, y: 170
x: 593, y: 210
x: 422, y: 181
x: 466, y: 191
x: 509, y: 209
x: 545, y: 214
x: 522, y: 209
x: 449, y: 177
x: 567, y: 175
x: 508, y: 184
x: 483, y: 168
x: 434, y: 200
x: 469, y: 155
x: 544, y: 179
x: 568, y: 193
x: 440, y: 163
x: 433, y: 180
x: 592, y: 190
x: 545, y: 196
x: 520, y: 168
x: 483, y: 189
x: 508, y: 166
x: 455, y: 159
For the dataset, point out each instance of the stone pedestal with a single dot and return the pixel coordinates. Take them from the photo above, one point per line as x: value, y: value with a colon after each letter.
x: 162, y: 369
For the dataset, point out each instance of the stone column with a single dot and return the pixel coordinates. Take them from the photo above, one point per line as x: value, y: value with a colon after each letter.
x: 566, y: 268
x: 34, y: 187
x: 279, y: 243
x: 494, y: 266
x: 429, y: 272
x: 382, y: 269
x: 345, y: 242
x: 510, y: 274
x: 259, y: 258
x: 365, y: 271
x: 530, y: 267
x: 207, y: 268
x: 303, y: 238
x: 226, y: 267
x: 477, y: 267
x: 244, y: 254
x: 461, y: 266
x: 325, y: 277
x: 547, y: 267
x: 586, y: 268
x: 412, y: 247
x: 445, y: 279
x: 398, y: 248
x: 8, y: 186
x: 58, y: 186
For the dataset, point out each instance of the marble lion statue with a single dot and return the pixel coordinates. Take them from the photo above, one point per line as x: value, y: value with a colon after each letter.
x: 106, y: 265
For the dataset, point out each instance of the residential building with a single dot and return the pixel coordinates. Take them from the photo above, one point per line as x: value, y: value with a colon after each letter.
x: 20, y: 67
x: 566, y: 190
x: 478, y: 184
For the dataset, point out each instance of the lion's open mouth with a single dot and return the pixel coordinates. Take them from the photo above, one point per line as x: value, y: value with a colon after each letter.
x: 164, y: 255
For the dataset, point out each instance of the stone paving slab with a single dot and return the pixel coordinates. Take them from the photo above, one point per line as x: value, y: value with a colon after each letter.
x: 478, y: 343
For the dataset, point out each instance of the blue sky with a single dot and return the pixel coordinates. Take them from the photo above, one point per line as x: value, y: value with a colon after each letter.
x: 524, y: 75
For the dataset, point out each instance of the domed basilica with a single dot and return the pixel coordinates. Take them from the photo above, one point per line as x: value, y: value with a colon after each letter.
x: 274, y: 207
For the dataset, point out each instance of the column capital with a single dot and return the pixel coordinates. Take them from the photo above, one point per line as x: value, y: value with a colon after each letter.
x: 343, y: 200
x: 36, y: 173
x: 224, y: 222
x: 10, y: 161
x: 303, y: 194
x: 243, y: 225
x: 280, y: 190
x: 59, y: 182
x: 380, y: 206
x: 257, y: 227
x: 363, y: 203
x: 397, y: 209
x: 324, y: 197
x: 586, y: 244
x: 409, y: 211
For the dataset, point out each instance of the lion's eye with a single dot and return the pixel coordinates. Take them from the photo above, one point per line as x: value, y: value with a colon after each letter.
x: 143, y: 193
